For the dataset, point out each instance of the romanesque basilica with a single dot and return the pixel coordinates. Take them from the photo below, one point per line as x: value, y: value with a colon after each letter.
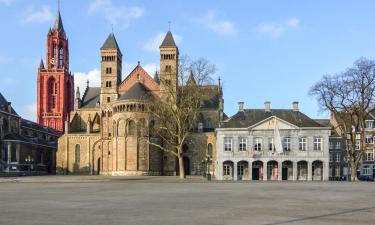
x: 101, y: 134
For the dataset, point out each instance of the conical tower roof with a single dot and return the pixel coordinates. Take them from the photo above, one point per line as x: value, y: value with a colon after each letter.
x: 58, y: 26
x: 168, y: 40
x: 191, y: 79
x: 110, y: 43
x: 41, y: 65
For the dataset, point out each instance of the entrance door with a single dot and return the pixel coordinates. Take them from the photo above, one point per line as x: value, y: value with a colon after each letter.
x: 285, y: 174
x: 255, y: 173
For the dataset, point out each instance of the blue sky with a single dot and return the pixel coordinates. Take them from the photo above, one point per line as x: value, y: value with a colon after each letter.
x: 264, y: 50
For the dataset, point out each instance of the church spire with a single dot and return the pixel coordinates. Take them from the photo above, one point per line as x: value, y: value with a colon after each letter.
x: 58, y: 25
x: 41, y: 65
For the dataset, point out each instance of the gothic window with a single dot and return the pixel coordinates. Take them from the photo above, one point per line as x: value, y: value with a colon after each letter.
x: 52, y: 90
x: 131, y: 128
x: 61, y: 53
x: 108, y: 70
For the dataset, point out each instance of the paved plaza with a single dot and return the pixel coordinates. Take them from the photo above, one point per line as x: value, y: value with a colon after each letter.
x: 167, y: 200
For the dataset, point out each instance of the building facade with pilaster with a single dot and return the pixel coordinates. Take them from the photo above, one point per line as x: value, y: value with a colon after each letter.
x: 246, y: 146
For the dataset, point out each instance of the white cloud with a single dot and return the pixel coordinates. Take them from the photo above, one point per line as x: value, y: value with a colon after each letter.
x: 93, y: 76
x: 115, y: 14
x: 275, y: 30
x: 29, y: 112
x: 5, y: 60
x: 222, y: 27
x: 44, y: 14
x: 80, y: 79
x: 6, y: 2
x: 151, y: 68
x: 152, y: 45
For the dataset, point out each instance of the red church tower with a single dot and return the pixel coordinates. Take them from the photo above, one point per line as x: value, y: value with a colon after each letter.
x: 55, y: 82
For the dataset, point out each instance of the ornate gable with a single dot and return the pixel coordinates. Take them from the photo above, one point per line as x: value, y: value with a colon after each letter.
x: 138, y: 75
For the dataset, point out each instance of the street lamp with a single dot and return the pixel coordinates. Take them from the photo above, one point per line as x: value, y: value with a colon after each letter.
x: 207, y: 160
x: 29, y: 161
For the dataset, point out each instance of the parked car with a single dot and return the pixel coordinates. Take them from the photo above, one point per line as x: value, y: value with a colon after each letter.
x: 365, y: 178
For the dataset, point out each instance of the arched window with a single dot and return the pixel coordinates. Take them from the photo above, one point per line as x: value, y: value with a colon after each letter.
x: 209, y: 150
x: 131, y: 128
x: 77, y: 154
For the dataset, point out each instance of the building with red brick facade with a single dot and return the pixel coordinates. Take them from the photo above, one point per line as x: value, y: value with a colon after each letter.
x: 55, y: 97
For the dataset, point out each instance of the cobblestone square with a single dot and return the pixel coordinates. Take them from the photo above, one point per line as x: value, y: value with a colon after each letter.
x: 167, y: 200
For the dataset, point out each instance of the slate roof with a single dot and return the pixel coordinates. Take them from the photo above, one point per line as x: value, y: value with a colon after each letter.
x: 250, y: 117
x: 32, y: 125
x: 137, y: 92
x: 110, y: 43
x: 91, y: 97
x: 30, y: 140
x: 168, y: 40
x: 211, y: 97
x: 58, y: 23
x: 4, y: 105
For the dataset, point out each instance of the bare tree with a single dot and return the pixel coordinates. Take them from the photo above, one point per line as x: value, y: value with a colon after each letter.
x: 348, y: 96
x: 176, y: 111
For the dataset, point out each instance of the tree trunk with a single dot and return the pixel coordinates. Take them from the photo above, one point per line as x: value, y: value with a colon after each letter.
x: 181, y: 166
x: 354, y: 172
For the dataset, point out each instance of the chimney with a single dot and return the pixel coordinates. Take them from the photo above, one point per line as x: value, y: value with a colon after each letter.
x: 240, y: 106
x: 267, y: 106
x: 295, y: 106
x: 9, y: 107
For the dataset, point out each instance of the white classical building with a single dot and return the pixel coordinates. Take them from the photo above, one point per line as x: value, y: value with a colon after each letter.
x: 272, y: 144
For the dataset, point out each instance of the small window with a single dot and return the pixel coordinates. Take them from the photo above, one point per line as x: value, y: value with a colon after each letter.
x: 318, y: 142
x: 209, y: 150
x: 108, y: 70
x: 366, y: 170
x: 228, y: 144
x: 369, y: 124
x: 108, y: 99
x: 227, y: 170
x: 271, y: 144
x: 302, y: 143
x: 242, y: 144
x: 287, y: 144
x: 258, y: 144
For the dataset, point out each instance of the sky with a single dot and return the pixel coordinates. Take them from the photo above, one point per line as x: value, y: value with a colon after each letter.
x: 264, y: 50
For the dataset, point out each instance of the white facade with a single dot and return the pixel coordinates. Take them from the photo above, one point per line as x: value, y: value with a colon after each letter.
x: 246, y: 153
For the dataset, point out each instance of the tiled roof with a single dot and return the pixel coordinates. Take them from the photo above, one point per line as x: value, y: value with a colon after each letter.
x: 137, y: 92
x: 249, y: 117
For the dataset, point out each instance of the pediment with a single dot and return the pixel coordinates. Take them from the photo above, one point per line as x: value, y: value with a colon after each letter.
x: 138, y: 75
x: 269, y: 124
